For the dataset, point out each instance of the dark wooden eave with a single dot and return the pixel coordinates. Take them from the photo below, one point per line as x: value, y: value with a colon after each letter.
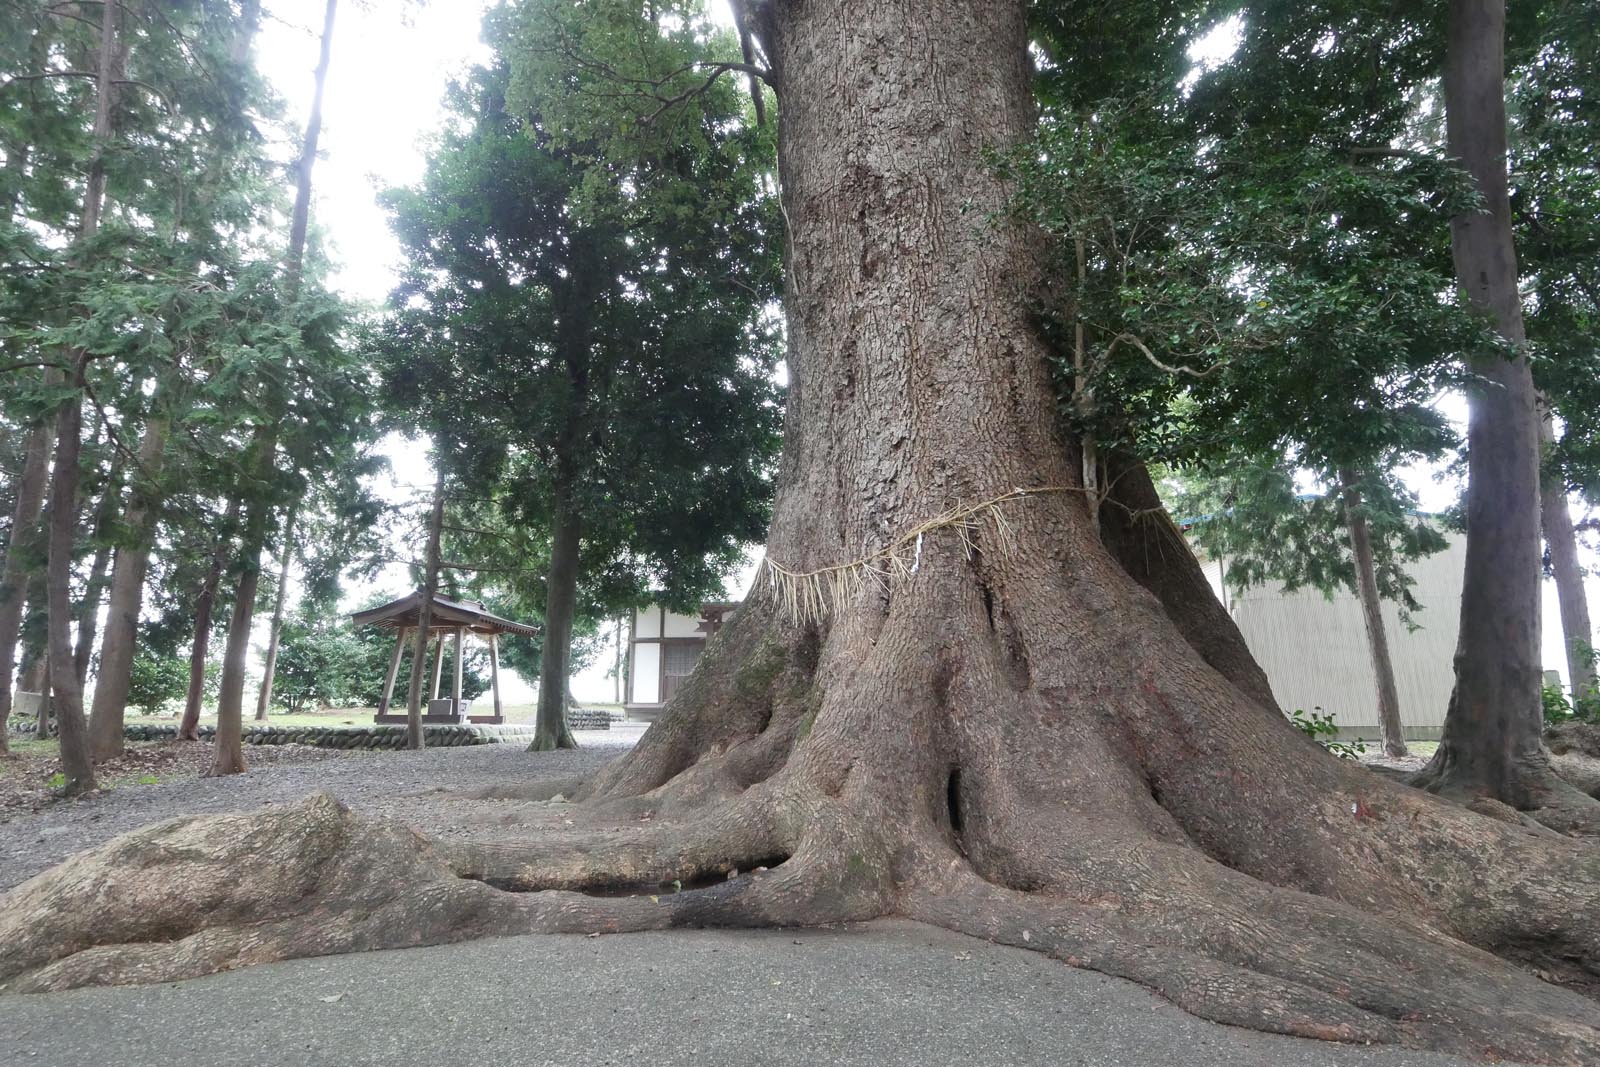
x: 446, y: 614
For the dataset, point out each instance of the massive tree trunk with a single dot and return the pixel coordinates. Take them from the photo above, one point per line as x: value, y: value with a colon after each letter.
x: 1491, y: 748
x: 988, y: 725
x: 127, y: 596
x: 1555, y: 518
x: 561, y: 598
x: 200, y: 649
x: 275, y: 631
x: 1394, y: 743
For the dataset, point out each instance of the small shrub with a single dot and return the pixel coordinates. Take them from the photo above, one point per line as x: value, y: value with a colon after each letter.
x: 1320, y: 727
x: 1557, y: 708
x: 1580, y: 707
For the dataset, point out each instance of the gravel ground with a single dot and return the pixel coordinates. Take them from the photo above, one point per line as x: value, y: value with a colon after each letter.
x: 25, y: 778
x: 416, y: 788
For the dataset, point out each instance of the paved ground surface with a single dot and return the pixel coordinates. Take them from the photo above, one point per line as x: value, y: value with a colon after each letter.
x: 885, y: 994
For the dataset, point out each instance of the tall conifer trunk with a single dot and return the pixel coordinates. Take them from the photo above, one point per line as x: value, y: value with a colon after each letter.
x: 229, y: 756
x: 118, y: 646
x: 1555, y: 520
x: 415, y: 737
x: 66, y: 699
x: 1388, y: 694
x: 1492, y: 747
x: 204, y: 603
x: 561, y: 594
x: 275, y: 631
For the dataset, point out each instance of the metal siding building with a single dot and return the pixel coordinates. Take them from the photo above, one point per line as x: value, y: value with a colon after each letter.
x: 1314, y: 649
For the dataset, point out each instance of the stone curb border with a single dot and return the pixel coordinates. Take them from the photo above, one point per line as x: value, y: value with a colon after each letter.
x: 435, y: 735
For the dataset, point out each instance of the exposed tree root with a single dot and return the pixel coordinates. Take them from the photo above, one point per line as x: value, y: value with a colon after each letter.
x: 1581, y: 738
x: 1559, y: 794
x: 1235, y: 951
x: 1144, y: 820
x: 1579, y: 771
x: 1053, y: 824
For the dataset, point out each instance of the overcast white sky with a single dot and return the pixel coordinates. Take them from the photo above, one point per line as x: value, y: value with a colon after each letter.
x: 382, y: 104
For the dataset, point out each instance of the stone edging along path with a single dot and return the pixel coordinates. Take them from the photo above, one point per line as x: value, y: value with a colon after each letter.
x: 435, y: 735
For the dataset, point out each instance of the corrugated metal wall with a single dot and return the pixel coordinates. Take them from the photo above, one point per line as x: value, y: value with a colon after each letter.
x: 1314, y: 650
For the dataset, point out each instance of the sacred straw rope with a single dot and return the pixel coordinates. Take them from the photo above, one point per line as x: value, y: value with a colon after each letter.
x: 807, y: 596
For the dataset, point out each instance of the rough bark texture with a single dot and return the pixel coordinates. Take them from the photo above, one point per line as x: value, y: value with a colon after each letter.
x: 1491, y: 749
x: 561, y: 599
x: 430, y: 586
x: 66, y: 702
x: 270, y: 669
x: 14, y: 575
x: 1018, y: 740
x: 1555, y: 519
x: 1153, y: 551
x: 200, y: 648
x: 228, y: 757
x: 127, y: 597
x: 1388, y: 694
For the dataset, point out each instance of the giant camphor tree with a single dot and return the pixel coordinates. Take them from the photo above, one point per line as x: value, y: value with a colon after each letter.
x: 952, y: 698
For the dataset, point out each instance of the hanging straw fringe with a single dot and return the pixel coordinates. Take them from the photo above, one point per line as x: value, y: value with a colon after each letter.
x: 808, y: 596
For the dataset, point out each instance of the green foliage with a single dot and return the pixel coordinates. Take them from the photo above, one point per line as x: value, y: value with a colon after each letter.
x: 1580, y: 707
x: 1320, y: 727
x: 586, y: 321
x: 1253, y: 263
x: 1251, y: 294
x: 179, y: 302
x: 1250, y: 515
x: 317, y: 664
x: 159, y: 681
